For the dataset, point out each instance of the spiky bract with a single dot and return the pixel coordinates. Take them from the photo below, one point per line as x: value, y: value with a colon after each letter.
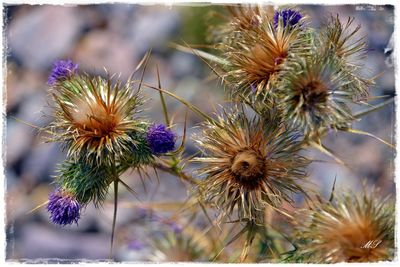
x: 140, y: 153
x: 63, y: 207
x: 315, y: 94
x: 178, y: 247
x: 248, y: 17
x: 258, y: 51
x: 239, y: 18
x: 348, y: 229
x: 250, y: 163
x: 85, y: 181
x: 94, y: 117
x: 340, y: 41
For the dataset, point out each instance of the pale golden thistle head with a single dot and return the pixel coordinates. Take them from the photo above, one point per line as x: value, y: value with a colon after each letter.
x: 95, y: 117
x: 180, y: 247
x: 342, y: 42
x: 315, y: 95
x: 249, y: 163
x: 348, y: 229
x: 236, y: 19
x: 248, y: 17
x: 259, y: 49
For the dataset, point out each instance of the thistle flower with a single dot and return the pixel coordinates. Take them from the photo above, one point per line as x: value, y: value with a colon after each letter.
x: 315, y: 94
x: 247, y: 17
x: 350, y: 229
x: 63, y: 207
x: 160, y: 139
x: 289, y: 17
x: 95, y: 117
x: 249, y: 164
x: 178, y: 247
x: 62, y: 70
x: 341, y: 42
x: 256, y: 55
x: 241, y: 18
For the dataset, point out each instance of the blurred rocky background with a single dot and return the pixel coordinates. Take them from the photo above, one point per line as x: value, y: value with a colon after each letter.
x: 116, y: 36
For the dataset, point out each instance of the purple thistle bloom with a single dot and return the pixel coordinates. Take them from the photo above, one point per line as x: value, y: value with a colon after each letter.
x: 63, y: 208
x: 160, y: 139
x: 62, y: 69
x: 289, y: 16
x: 136, y: 245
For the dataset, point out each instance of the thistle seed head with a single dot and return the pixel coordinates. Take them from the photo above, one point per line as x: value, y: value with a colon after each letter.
x: 248, y: 167
x: 341, y: 42
x: 179, y: 247
x: 256, y: 54
x: 95, y: 117
x: 249, y: 163
x: 315, y: 94
x: 348, y: 229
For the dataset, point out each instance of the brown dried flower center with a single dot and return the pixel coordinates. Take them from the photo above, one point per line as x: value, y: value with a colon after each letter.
x: 94, y: 119
x: 313, y: 92
x: 266, y: 62
x: 248, y: 165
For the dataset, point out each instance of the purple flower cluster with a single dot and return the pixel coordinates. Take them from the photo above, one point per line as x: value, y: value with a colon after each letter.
x: 289, y: 17
x: 62, y: 69
x: 63, y: 208
x: 160, y: 139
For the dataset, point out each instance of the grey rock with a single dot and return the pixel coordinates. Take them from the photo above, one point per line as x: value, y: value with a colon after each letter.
x: 43, y: 34
x: 42, y: 242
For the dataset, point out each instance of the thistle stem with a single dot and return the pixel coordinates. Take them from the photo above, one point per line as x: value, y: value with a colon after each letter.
x: 181, y: 174
x: 114, y: 216
x: 116, y: 180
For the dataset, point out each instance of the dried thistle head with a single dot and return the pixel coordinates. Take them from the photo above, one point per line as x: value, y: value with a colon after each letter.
x: 179, y: 247
x: 341, y: 41
x: 248, y: 17
x: 348, y: 229
x: 95, y: 117
x: 236, y: 19
x: 249, y: 163
x: 315, y: 94
x: 259, y: 50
